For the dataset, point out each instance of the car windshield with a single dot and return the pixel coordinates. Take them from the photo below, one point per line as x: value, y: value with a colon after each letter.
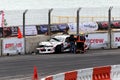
x: 61, y: 39
x: 45, y: 46
x: 54, y: 40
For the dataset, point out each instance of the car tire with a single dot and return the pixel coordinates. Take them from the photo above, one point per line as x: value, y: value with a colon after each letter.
x: 58, y: 49
x: 37, y: 52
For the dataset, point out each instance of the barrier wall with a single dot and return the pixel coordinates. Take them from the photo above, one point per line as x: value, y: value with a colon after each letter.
x: 97, y: 73
x: 33, y: 41
x: 99, y: 40
x: 13, y: 45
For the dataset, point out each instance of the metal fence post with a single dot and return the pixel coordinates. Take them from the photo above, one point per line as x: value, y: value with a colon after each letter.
x: 78, y: 10
x: 24, y: 30
x: 109, y: 27
x: 49, y: 21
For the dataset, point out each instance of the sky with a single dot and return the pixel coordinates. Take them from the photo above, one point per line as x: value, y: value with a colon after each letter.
x: 41, y: 4
x: 40, y: 16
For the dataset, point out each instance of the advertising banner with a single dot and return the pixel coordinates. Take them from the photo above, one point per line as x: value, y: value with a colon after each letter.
x: 29, y: 30
x: 13, y: 46
x: 116, y: 39
x: 7, y: 32
x: 42, y: 29
x: 115, y: 24
x: 10, y: 31
x: 72, y: 27
x: 83, y: 27
x: 89, y: 26
x: 97, y: 40
x: 103, y: 25
x: 62, y: 27
x: 55, y: 28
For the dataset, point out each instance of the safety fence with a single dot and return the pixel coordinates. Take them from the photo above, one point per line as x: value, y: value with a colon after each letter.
x: 110, y: 72
x: 69, y: 19
x: 60, y: 15
x: 36, y: 26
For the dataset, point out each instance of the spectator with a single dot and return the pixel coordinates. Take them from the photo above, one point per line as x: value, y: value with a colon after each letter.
x: 72, y: 44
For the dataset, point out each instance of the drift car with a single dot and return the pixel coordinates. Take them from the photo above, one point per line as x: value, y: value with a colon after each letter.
x: 56, y: 44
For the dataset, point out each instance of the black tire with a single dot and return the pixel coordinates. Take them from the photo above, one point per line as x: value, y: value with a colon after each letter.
x: 58, y: 49
x: 19, y: 53
x: 37, y: 52
x: 8, y: 54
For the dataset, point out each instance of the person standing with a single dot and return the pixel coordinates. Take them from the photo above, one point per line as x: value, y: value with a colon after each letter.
x: 80, y: 42
x: 72, y: 44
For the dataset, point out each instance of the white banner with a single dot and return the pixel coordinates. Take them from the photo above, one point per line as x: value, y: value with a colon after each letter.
x: 72, y: 27
x: 29, y: 30
x: 13, y: 45
x: 97, y: 40
x: 116, y: 39
x: 83, y: 27
x: 89, y: 26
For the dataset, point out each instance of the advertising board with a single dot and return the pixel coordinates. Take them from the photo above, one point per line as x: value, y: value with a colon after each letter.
x: 89, y: 26
x: 29, y: 30
x: 116, y: 40
x: 84, y: 27
x: 12, y: 46
x: 97, y: 40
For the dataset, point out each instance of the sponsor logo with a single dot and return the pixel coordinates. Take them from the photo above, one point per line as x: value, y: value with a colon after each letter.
x: 117, y: 39
x: 89, y: 26
x: 95, y: 41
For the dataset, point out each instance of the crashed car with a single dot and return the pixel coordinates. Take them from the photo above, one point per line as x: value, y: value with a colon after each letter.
x: 56, y: 44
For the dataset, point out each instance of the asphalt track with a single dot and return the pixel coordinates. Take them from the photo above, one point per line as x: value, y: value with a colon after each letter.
x: 20, y: 67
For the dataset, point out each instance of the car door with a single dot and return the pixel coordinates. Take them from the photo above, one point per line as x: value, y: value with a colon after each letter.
x: 66, y: 44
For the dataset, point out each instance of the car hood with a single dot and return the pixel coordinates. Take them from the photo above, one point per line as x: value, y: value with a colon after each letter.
x: 47, y: 43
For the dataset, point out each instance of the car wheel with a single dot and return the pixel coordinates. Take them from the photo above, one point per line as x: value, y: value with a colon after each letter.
x: 37, y: 52
x: 58, y: 49
x: 19, y: 53
x: 8, y: 54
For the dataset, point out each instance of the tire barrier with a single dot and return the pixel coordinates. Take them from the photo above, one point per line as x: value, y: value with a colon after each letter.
x: 97, y: 73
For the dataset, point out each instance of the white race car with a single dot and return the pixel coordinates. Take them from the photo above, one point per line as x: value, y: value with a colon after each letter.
x: 56, y: 44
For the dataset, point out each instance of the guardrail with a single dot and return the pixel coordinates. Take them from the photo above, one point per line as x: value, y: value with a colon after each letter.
x: 111, y: 72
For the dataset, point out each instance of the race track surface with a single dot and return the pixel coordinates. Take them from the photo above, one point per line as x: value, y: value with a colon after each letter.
x: 21, y: 66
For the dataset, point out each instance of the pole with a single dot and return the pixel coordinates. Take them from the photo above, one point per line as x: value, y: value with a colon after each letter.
x: 78, y: 10
x: 109, y: 26
x: 24, y: 30
x: 49, y: 21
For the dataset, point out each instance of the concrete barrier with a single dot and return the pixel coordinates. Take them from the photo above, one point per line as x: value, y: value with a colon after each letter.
x: 33, y: 41
x: 115, y: 72
x: 111, y: 72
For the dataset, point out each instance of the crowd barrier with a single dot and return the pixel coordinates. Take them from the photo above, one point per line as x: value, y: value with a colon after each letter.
x: 111, y: 72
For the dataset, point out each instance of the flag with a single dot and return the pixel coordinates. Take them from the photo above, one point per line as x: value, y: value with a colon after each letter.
x: 1, y: 18
x: 19, y: 33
